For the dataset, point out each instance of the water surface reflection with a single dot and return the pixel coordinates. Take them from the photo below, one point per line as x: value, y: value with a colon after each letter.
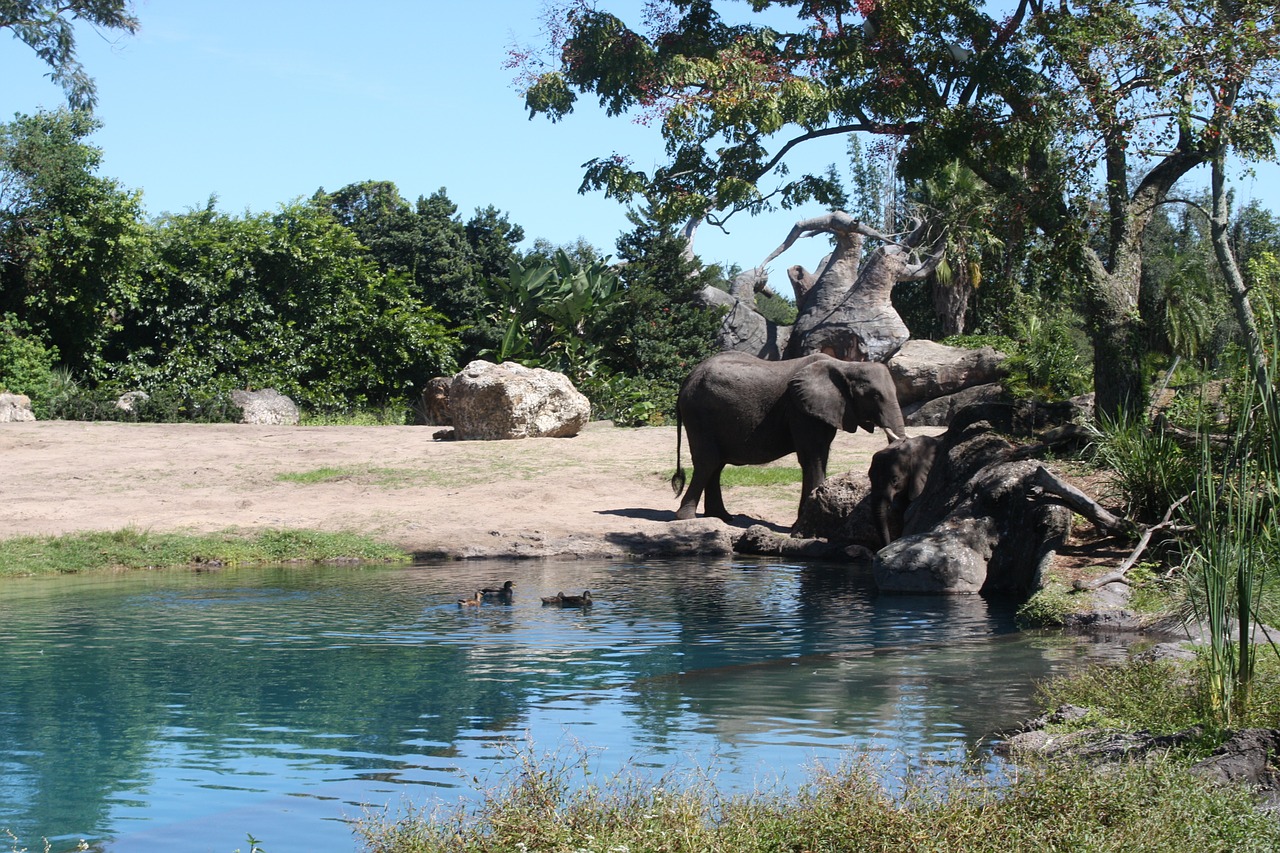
x: 181, y: 710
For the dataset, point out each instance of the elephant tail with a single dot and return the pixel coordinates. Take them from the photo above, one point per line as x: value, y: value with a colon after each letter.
x: 677, y: 479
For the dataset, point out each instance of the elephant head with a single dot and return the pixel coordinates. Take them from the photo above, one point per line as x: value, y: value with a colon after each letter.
x: 898, y: 474
x: 848, y: 395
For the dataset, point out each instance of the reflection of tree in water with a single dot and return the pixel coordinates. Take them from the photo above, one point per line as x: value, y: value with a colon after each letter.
x: 918, y: 675
x: 382, y: 673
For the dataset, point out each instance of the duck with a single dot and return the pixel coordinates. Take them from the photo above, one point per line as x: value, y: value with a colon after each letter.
x: 563, y: 600
x: 504, y: 591
x: 473, y: 601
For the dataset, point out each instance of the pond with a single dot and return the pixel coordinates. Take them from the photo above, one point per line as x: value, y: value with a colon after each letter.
x: 184, y: 711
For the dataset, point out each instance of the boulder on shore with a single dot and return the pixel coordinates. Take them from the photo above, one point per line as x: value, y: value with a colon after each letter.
x: 925, y: 370
x: 491, y: 402
x: 267, y: 406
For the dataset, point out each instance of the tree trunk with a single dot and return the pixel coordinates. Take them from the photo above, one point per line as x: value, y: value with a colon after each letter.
x: 845, y: 309
x: 1116, y: 332
x: 951, y: 302
x: 1219, y: 222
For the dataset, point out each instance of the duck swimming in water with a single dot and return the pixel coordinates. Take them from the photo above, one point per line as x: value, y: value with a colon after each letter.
x: 563, y: 600
x: 473, y: 601
x: 505, y: 591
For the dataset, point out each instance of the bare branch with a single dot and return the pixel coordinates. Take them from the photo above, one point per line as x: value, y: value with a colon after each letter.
x: 1081, y: 503
x: 1120, y: 574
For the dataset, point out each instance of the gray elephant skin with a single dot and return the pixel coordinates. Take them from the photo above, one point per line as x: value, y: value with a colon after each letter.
x: 898, y: 474
x: 741, y: 410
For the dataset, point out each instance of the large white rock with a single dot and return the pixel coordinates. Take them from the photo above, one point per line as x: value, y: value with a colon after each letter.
x: 496, y: 401
x: 15, y: 407
x: 267, y: 406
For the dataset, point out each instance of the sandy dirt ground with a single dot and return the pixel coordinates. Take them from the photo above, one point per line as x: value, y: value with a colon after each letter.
x: 604, y: 492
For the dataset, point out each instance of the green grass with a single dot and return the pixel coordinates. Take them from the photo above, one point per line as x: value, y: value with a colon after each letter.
x: 358, y: 473
x: 756, y: 475
x: 1163, y: 697
x: 136, y: 549
x: 550, y: 805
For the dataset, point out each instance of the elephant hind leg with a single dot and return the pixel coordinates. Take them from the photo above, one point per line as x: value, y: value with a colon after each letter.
x: 714, y: 503
x: 705, y: 479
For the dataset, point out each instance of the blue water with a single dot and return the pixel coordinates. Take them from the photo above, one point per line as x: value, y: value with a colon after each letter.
x: 184, y: 711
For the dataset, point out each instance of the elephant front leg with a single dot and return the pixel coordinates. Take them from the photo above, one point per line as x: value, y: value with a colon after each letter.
x: 813, y: 468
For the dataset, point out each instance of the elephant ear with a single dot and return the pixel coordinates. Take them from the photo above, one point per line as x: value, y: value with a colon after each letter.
x: 820, y: 390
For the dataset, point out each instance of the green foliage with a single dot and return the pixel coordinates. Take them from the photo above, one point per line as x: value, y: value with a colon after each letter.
x: 166, y: 405
x: 136, y: 549
x: 286, y: 300
x: 27, y: 366
x: 48, y: 28
x: 1149, y: 469
x: 550, y: 803
x: 630, y: 401
x: 1052, y: 355
x: 547, y: 310
x: 660, y: 331
x: 70, y: 242
x: 776, y: 309
x: 1048, y: 353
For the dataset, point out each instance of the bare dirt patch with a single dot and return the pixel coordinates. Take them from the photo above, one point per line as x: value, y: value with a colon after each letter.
x: 602, y: 493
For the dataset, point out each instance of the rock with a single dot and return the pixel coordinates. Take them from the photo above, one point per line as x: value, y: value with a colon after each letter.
x: 978, y: 526
x: 433, y: 405
x: 1093, y: 746
x: 500, y: 401
x: 840, y: 511
x: 940, y: 410
x: 744, y: 329
x: 267, y: 406
x: 761, y: 541
x: 15, y: 408
x: 926, y: 370
x: 950, y: 558
x: 129, y: 399
x: 1248, y: 757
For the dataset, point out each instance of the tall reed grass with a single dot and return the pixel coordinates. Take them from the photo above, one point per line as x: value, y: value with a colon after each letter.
x: 1233, y: 509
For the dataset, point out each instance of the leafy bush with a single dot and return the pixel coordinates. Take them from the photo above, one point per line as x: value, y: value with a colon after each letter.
x: 27, y: 366
x: 1149, y: 470
x: 631, y: 401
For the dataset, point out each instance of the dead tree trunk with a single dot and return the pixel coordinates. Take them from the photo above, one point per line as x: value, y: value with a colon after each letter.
x: 844, y: 307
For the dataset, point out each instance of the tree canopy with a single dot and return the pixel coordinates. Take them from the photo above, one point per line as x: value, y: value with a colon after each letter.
x: 1037, y: 103
x: 48, y: 28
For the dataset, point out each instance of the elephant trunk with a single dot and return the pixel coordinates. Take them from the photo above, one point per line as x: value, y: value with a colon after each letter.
x: 895, y: 427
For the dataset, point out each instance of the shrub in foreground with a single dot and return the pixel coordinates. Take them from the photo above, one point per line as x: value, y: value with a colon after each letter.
x: 1153, y: 806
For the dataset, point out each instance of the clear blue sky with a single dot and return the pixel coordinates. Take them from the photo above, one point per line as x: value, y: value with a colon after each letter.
x: 264, y: 101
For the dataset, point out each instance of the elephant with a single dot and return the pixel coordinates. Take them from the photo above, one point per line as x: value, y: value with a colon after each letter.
x: 898, y: 474
x: 741, y: 410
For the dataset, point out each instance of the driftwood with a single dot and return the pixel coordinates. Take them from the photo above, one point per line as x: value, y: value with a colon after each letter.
x: 1189, y: 438
x: 1120, y: 574
x: 1081, y: 503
